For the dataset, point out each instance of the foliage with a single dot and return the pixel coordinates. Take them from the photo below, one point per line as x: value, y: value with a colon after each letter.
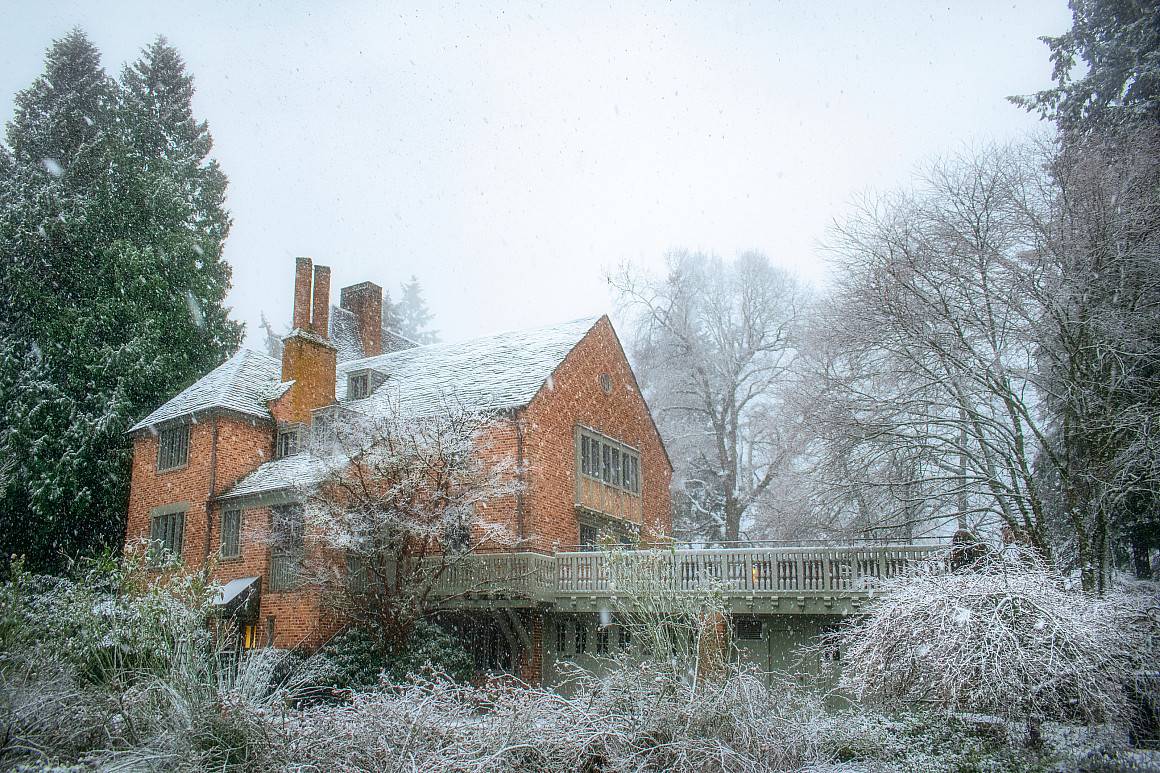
x: 111, y: 233
x: 1004, y: 637
x: 410, y: 316
x: 714, y: 342
x: 1119, y: 42
x: 634, y: 719
x: 356, y: 659
x: 678, y: 630
x: 405, y: 501
x: 119, y: 660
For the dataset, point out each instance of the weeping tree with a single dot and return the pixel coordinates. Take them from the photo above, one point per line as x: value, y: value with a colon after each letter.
x: 1001, y: 637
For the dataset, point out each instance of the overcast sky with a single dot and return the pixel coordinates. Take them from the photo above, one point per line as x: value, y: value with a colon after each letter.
x: 505, y: 153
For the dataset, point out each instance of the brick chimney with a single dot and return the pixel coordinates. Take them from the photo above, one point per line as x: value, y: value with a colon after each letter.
x: 308, y: 359
x: 302, y: 293
x: 365, y: 301
x: 320, y: 319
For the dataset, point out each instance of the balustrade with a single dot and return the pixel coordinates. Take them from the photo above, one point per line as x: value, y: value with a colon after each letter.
x: 732, y: 571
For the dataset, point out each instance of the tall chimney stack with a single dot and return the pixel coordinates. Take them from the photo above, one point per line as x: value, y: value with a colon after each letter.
x: 308, y: 359
x: 302, y: 293
x: 365, y: 301
x: 320, y: 319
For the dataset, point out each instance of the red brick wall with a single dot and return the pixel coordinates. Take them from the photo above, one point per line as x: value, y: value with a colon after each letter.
x: 575, y: 397
x: 242, y: 445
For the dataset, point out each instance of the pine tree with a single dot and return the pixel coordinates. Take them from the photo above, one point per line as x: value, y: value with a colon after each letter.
x: 112, y: 281
x: 414, y: 315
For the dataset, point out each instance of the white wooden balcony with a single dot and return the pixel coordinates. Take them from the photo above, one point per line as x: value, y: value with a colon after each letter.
x: 802, y: 580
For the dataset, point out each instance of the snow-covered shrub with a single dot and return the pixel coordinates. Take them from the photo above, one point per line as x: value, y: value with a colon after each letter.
x: 356, y: 658
x: 675, y: 627
x: 1004, y: 637
x: 633, y: 719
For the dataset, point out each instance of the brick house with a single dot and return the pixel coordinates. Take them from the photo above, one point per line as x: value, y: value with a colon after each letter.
x: 218, y: 465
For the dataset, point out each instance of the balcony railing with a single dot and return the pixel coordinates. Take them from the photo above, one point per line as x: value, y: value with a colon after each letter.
x: 513, y: 575
x: 746, y: 572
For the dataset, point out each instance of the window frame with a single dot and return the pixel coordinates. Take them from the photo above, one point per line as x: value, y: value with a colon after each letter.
x: 597, y: 454
x: 170, y: 440
x: 231, y: 537
x: 169, y: 520
x: 288, y: 544
x: 292, y: 433
x: 361, y: 379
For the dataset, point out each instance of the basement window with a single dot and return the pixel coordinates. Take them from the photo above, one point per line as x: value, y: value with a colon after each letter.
x: 173, y: 448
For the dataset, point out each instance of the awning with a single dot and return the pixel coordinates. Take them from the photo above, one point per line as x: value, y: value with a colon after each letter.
x: 236, y: 594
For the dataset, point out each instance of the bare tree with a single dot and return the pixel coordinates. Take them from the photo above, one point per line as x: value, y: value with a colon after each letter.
x: 932, y: 351
x: 714, y: 341
x: 405, y: 502
x: 989, y: 351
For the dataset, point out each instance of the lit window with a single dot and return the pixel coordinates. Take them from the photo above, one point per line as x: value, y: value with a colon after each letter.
x: 232, y: 534
x: 173, y: 448
x: 602, y: 641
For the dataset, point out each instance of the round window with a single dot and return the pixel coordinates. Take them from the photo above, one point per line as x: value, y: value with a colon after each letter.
x: 606, y: 383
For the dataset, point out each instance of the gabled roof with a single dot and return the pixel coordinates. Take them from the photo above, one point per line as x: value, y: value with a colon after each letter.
x: 492, y: 372
x: 243, y: 383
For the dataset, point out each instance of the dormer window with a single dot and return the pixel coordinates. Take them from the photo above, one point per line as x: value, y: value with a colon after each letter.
x: 290, y: 439
x: 361, y: 384
x: 358, y: 385
x: 330, y: 427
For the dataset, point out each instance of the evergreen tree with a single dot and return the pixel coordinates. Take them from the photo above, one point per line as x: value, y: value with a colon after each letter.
x: 1119, y: 42
x: 413, y: 314
x: 391, y: 319
x: 112, y: 281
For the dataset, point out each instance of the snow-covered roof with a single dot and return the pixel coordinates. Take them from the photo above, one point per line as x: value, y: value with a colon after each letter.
x: 345, y: 336
x: 494, y: 372
x: 243, y: 383
x: 303, y: 469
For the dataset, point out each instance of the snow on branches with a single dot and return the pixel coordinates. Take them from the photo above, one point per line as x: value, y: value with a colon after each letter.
x: 1005, y: 636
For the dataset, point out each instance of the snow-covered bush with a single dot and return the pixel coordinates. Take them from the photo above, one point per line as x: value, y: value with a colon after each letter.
x: 1004, y: 637
x: 633, y: 719
x: 356, y: 659
x: 120, y: 661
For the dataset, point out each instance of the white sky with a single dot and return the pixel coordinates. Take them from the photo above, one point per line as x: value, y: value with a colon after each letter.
x: 506, y: 156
